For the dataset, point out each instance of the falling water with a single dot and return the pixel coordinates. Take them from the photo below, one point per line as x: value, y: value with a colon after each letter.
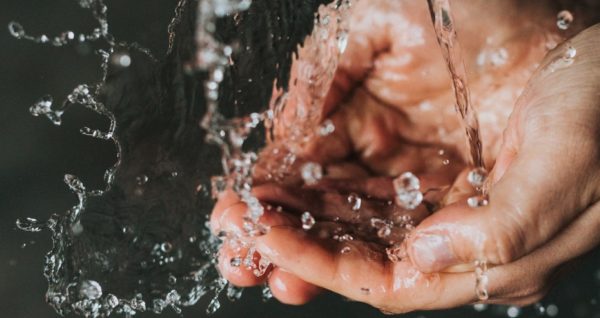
x: 445, y: 32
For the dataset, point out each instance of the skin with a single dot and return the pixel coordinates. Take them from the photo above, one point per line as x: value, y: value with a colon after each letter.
x: 391, y: 104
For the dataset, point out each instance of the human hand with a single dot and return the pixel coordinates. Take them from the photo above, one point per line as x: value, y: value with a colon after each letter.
x: 392, y: 286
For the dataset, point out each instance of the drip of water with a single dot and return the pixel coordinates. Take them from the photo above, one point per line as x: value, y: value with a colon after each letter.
x: 441, y: 17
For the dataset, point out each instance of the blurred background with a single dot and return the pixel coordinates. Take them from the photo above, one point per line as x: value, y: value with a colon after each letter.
x: 35, y: 155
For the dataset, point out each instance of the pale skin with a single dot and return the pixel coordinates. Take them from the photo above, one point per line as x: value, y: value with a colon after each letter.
x: 391, y: 104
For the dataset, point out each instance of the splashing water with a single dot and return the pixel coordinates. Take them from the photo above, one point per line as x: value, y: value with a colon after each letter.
x: 149, y: 264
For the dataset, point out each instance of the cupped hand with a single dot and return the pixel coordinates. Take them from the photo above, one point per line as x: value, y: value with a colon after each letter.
x: 391, y: 105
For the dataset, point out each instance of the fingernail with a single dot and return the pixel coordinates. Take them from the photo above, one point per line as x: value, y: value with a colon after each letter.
x: 432, y: 252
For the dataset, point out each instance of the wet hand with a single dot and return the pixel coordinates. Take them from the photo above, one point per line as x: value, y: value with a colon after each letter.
x: 370, y: 145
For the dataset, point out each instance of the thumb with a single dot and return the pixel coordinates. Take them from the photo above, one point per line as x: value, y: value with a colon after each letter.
x: 545, y: 176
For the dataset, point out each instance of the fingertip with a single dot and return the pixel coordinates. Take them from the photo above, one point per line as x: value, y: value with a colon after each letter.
x: 291, y: 290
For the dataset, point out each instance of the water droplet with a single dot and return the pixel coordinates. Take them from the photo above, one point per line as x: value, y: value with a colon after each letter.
x: 90, y: 289
x: 477, y: 177
x: 342, y: 42
x: 44, y: 107
x: 29, y: 225
x: 570, y: 53
x: 478, y: 201
x: 396, y: 253
x: 344, y: 238
x: 141, y: 179
x: 384, y: 228
x: 355, y: 201
x: 326, y: 128
x: 513, y: 311
x: 213, y: 306
x: 564, y: 19
x: 235, y: 261
x: 74, y: 183
x: 218, y: 185
x: 346, y: 250
x: 407, y: 191
x: 311, y: 173
x: 308, y: 221
x: 112, y: 301
x: 539, y: 309
x: 481, y: 280
x: 552, y: 310
x: 16, y: 30
x: 166, y: 247
x: 266, y: 293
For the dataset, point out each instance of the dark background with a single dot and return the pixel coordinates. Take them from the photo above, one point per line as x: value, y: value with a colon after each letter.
x: 34, y: 156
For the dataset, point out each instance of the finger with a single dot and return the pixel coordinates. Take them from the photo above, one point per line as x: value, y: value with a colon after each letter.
x: 232, y: 268
x: 225, y: 200
x: 291, y: 290
x: 363, y: 275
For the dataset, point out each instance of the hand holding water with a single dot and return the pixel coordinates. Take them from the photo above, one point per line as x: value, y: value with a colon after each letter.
x: 389, y: 101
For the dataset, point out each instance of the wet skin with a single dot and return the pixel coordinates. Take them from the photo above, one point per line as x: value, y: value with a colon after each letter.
x: 392, y: 107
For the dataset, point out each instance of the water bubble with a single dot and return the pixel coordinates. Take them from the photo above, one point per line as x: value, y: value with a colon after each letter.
x: 308, y: 221
x: 407, y: 191
x: 477, y: 177
x: 355, y: 201
x: 90, y: 289
x: 16, y: 30
x: 311, y: 173
x: 564, y: 19
x: 478, y: 201
x: 29, y: 225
